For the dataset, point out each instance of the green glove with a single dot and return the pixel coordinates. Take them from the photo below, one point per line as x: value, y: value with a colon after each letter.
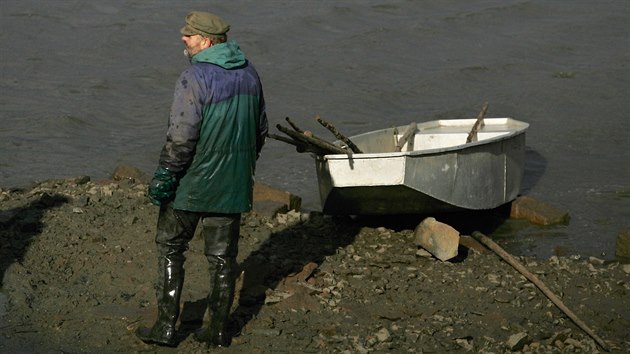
x: 162, y: 187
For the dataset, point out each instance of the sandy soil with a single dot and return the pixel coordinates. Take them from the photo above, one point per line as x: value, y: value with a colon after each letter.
x: 78, y: 271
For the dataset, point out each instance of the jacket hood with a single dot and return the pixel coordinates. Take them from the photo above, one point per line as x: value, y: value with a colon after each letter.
x: 227, y: 55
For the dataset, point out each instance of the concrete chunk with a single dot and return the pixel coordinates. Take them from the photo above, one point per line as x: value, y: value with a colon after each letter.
x: 263, y: 192
x: 537, y: 212
x: 269, y: 208
x: 440, y: 239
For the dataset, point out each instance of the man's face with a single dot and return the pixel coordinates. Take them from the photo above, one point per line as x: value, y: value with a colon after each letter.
x: 194, y: 44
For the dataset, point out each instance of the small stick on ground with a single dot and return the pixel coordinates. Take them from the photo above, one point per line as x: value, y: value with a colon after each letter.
x: 338, y: 135
x: 534, y: 279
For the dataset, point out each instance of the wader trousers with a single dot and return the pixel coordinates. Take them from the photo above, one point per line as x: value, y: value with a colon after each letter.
x: 175, y: 229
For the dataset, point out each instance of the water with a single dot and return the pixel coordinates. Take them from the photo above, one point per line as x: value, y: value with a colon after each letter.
x: 86, y: 85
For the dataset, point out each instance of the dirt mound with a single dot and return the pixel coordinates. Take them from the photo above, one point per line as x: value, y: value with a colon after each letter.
x: 78, y: 267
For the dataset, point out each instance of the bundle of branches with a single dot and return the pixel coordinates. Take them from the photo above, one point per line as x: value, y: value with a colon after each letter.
x: 306, y: 141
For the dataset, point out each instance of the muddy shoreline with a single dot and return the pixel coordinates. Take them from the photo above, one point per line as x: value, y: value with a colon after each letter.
x: 78, y: 272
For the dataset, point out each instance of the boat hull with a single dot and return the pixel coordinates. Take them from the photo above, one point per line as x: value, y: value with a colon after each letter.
x: 438, y: 175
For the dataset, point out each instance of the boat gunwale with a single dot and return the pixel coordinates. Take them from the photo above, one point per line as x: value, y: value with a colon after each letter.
x: 512, y: 132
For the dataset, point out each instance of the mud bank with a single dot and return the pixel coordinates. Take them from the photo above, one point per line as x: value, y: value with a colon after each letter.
x: 78, y: 271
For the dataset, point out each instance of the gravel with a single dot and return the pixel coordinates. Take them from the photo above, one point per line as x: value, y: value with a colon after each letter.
x: 78, y: 267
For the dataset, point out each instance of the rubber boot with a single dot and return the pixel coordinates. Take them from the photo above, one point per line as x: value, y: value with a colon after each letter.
x: 171, y: 280
x: 219, y: 304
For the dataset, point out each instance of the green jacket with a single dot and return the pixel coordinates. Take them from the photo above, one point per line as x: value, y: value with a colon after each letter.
x: 217, y: 128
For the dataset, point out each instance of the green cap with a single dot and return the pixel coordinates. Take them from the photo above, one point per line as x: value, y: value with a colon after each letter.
x: 204, y: 23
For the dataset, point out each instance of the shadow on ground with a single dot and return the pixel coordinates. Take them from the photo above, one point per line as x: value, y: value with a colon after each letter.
x: 286, y: 253
x: 20, y: 226
x: 283, y: 254
x: 290, y: 251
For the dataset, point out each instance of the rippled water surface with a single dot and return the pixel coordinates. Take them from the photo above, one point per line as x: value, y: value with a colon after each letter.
x: 86, y: 85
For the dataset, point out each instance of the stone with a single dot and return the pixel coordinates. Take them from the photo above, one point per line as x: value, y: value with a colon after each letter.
x: 623, y: 243
x: 292, y: 294
x: 383, y: 335
x: 595, y: 261
x: 517, y: 341
x: 127, y: 172
x: 421, y: 253
x: 440, y: 239
x: 81, y: 180
x: 305, y: 273
x: 264, y: 192
x: 465, y: 343
x: 537, y: 212
x: 290, y: 218
x: 560, y: 336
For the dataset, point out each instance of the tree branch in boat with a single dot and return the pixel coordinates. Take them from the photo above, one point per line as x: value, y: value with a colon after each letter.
x: 299, y: 146
x: 309, y: 138
x: 338, y: 135
x: 409, y: 132
x: 472, y: 136
x: 295, y: 127
x: 305, y: 132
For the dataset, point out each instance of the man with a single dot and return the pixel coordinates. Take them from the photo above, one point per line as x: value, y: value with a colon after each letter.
x: 205, y: 174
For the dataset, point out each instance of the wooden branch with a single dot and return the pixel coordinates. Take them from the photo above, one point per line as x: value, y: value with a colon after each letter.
x: 295, y: 127
x: 284, y: 139
x: 305, y: 132
x: 299, y: 146
x: 531, y: 277
x: 338, y: 135
x: 312, y: 140
x: 472, y: 136
x: 409, y: 132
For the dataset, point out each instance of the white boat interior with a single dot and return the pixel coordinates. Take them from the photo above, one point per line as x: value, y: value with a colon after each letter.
x: 436, y: 135
x: 436, y: 170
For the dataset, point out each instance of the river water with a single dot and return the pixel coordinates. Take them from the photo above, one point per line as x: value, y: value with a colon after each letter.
x: 86, y: 85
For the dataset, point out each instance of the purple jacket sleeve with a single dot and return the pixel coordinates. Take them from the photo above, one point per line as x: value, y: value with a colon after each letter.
x: 183, y: 124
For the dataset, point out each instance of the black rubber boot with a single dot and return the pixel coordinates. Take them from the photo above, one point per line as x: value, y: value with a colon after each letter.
x: 219, y: 304
x: 169, y: 290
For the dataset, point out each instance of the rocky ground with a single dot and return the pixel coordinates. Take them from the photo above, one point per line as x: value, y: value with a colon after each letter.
x: 77, y: 263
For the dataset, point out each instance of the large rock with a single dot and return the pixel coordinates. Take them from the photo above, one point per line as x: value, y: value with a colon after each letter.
x: 623, y: 243
x: 440, y: 239
x: 537, y: 212
x: 124, y: 171
x: 263, y: 192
